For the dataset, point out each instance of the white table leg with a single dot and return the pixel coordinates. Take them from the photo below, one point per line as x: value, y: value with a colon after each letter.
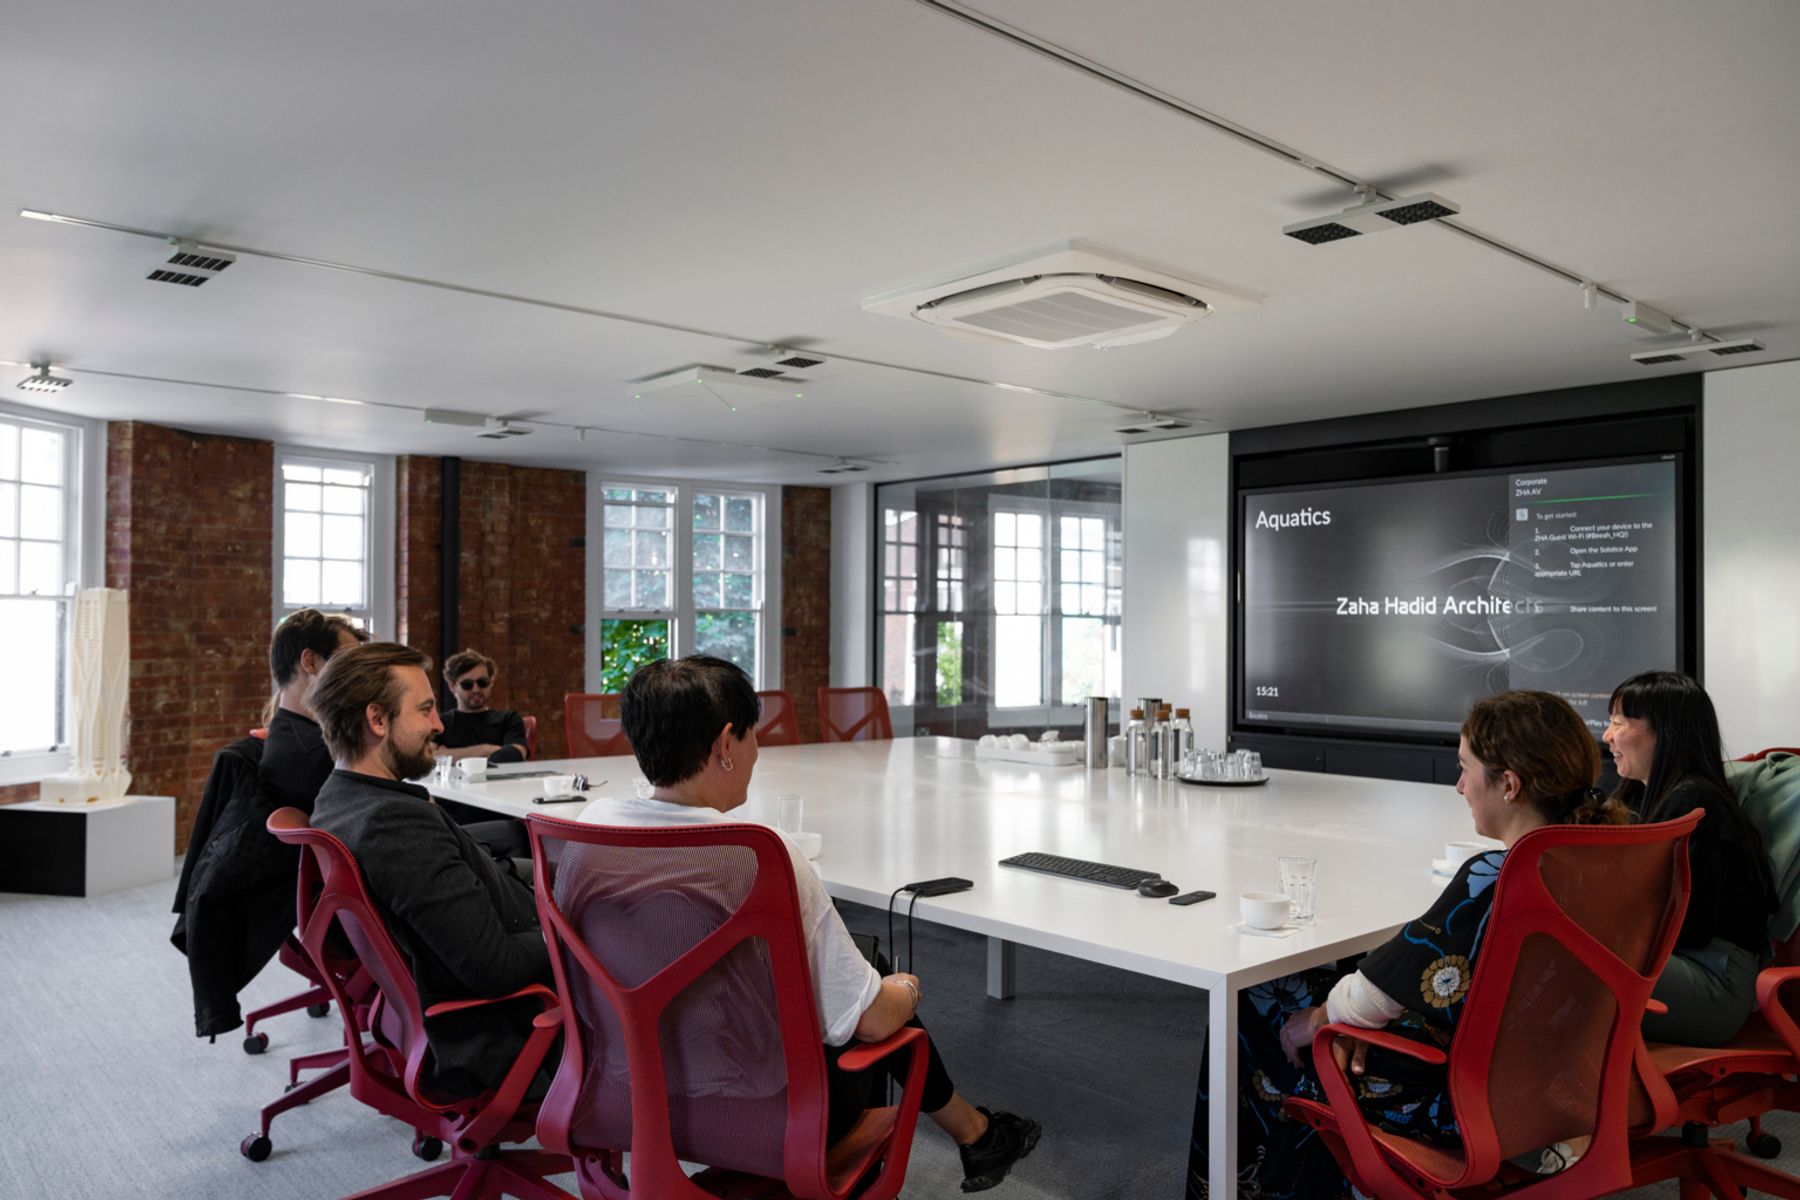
x: 1221, y: 1093
x: 1002, y: 962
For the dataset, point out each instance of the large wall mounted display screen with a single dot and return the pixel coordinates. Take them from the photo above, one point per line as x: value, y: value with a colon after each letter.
x: 1387, y: 608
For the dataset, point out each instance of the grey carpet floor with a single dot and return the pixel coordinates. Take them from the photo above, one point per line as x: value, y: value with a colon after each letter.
x: 105, y: 1093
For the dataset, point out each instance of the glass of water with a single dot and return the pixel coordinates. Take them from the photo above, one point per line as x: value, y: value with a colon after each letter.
x: 790, y: 811
x: 1299, y: 878
x: 442, y: 764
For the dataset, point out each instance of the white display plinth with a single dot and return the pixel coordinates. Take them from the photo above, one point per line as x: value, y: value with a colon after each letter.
x: 87, y: 849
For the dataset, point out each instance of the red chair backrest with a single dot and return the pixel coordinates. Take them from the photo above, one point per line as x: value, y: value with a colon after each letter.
x: 858, y: 714
x: 1760, y: 754
x: 331, y: 890
x: 690, y: 1030
x: 1583, y: 920
x: 531, y: 742
x: 779, y: 724
x: 592, y: 722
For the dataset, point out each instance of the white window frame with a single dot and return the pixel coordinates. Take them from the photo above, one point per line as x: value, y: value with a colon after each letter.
x: 84, y: 558
x: 681, y: 613
x: 378, y: 532
x: 1052, y: 711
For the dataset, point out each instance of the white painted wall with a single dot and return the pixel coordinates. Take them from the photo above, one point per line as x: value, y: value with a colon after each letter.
x: 1750, y: 566
x: 850, y: 599
x: 1177, y: 615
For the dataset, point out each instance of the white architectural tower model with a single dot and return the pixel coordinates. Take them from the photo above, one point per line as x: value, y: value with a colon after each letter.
x: 99, y: 665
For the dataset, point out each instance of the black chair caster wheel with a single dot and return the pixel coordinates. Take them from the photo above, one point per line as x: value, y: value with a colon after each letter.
x: 256, y: 1147
x: 427, y: 1148
x: 256, y: 1043
x: 318, y: 1010
x: 1764, y: 1145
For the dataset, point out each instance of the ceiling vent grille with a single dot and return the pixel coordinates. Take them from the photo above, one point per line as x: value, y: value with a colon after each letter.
x: 189, y: 265
x: 1070, y: 294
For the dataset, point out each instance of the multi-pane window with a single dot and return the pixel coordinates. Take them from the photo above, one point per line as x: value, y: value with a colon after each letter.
x: 899, y: 602
x: 1019, y: 554
x: 1090, y: 577
x: 326, y: 540
x: 38, y: 499
x: 727, y: 581
x: 683, y: 570
x: 638, y: 559
x: 950, y: 554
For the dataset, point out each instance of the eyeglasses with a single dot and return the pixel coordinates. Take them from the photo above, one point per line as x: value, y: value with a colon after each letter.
x: 469, y: 684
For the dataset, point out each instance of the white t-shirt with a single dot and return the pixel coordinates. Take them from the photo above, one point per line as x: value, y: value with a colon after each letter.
x: 844, y: 984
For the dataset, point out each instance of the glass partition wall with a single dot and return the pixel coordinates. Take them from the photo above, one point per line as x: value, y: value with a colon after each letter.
x: 998, y: 599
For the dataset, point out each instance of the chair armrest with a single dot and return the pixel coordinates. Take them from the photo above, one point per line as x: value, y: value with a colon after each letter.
x: 1656, y: 1006
x: 861, y: 1058
x: 1769, y: 983
x: 1330, y: 1033
x: 533, y: 989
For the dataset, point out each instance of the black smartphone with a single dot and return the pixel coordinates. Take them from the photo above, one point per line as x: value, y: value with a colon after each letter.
x: 939, y: 887
x: 1192, y: 897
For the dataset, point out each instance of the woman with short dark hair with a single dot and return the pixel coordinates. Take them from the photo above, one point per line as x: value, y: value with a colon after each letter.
x: 1666, y: 748
x: 473, y: 728
x: 1527, y: 760
x: 692, y: 725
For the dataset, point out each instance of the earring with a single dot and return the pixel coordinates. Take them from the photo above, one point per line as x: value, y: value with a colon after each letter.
x: 726, y: 763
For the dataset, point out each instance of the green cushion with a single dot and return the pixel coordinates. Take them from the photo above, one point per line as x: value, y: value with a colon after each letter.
x: 1769, y: 792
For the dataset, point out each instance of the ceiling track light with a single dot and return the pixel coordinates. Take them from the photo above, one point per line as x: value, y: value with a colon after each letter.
x: 842, y: 466
x: 41, y: 380
x: 1154, y: 423
x: 1675, y: 354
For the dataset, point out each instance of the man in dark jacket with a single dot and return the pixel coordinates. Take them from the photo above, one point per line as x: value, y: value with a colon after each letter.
x: 235, y: 899
x: 467, y: 928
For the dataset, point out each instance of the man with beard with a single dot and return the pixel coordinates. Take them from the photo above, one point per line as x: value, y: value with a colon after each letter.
x: 467, y: 926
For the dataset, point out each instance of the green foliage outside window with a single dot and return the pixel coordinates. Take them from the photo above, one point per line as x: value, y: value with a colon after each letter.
x: 949, y: 663
x: 627, y: 645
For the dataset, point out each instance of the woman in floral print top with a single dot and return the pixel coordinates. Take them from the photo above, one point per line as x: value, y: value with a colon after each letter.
x: 1527, y: 760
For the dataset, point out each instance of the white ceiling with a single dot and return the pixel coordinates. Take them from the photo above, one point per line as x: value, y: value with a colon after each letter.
x: 758, y: 169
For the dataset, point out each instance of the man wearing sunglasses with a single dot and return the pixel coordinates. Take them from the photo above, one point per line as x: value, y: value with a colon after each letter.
x: 474, y: 728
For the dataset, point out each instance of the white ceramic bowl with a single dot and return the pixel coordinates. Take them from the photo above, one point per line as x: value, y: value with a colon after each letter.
x: 558, y: 786
x: 1263, y: 910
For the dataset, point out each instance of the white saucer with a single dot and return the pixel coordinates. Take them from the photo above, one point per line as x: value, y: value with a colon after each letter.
x: 1252, y: 931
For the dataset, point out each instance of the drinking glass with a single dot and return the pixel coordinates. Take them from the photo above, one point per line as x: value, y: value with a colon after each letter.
x: 643, y: 789
x: 1252, y: 764
x: 442, y: 764
x: 789, y: 811
x: 1298, y: 879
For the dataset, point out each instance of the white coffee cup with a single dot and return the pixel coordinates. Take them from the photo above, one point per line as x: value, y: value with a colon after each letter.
x: 474, y: 766
x: 810, y: 843
x: 1458, y: 853
x: 558, y: 786
x: 1263, y: 910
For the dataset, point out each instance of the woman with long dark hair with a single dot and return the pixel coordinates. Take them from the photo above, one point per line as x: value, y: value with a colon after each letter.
x: 1665, y: 743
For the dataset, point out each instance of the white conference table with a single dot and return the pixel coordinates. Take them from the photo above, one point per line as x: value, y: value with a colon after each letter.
x: 892, y: 812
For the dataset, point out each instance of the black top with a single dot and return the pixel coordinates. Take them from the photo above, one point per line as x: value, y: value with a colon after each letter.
x: 295, y: 762
x: 493, y: 727
x: 1727, y: 897
x: 467, y: 929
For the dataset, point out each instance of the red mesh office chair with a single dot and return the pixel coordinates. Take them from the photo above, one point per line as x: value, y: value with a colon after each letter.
x: 387, y: 1045
x: 531, y: 741
x: 592, y: 722
x: 1762, y: 754
x: 689, y: 1026
x: 1756, y: 1073
x: 780, y: 721
x: 1583, y: 920
x: 858, y: 714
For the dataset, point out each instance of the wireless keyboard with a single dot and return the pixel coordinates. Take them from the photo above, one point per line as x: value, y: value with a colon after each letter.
x: 1076, y: 868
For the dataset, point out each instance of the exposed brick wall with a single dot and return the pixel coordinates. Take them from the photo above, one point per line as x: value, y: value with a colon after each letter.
x: 418, y: 552
x: 189, y: 531
x: 521, y: 578
x: 806, y: 600
x: 18, y: 793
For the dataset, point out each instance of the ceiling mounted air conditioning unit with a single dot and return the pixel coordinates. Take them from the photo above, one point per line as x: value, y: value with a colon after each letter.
x: 1070, y: 294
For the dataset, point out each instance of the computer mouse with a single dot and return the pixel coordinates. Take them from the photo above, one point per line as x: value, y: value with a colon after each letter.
x: 1157, y: 888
